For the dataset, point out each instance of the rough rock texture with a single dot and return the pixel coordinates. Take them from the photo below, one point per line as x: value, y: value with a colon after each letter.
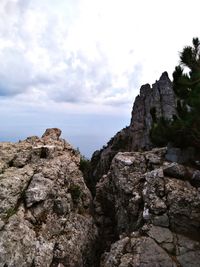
x: 148, y: 211
x: 101, y: 160
x: 158, y: 99
x: 161, y: 99
x: 45, y: 205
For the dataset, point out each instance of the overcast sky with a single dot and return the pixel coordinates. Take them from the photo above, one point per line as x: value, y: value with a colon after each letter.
x: 78, y: 64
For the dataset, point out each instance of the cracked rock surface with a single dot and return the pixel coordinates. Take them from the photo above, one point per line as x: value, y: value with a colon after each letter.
x: 157, y: 100
x: 45, y: 217
x: 148, y: 211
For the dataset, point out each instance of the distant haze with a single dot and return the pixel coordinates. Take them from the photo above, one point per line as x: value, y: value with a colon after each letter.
x: 78, y: 64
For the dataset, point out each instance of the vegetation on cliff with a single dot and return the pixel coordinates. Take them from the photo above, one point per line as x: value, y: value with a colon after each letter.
x: 184, y: 129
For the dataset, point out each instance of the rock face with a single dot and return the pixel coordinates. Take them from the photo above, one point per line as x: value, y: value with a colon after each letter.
x: 156, y: 101
x: 45, y: 208
x: 148, y: 211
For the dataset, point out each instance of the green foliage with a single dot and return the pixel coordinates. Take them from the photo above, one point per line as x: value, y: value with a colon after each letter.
x: 75, y: 192
x: 158, y: 133
x: 84, y: 165
x: 181, y: 83
x: 120, y: 144
x: 184, y: 129
x: 153, y: 114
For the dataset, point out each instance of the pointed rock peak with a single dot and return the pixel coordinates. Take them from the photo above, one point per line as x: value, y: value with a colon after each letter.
x: 144, y: 89
x: 164, y: 76
x: 52, y: 133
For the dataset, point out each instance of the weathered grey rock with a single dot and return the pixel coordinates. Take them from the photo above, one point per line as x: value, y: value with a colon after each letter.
x: 162, y: 220
x: 13, y: 183
x: 17, y: 243
x: 183, y: 206
x: 149, y: 206
x: 154, y: 189
x: 45, y: 213
x: 38, y: 189
x: 183, y: 172
x: 160, y: 234
x: 160, y: 99
x: 163, y: 237
x: 195, y: 180
x: 52, y: 133
x: 136, y: 252
x: 180, y: 155
x: 176, y: 170
x: 119, y: 194
x: 188, y: 251
x: 168, y: 249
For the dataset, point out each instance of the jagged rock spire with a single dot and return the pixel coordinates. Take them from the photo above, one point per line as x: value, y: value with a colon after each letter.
x: 160, y: 97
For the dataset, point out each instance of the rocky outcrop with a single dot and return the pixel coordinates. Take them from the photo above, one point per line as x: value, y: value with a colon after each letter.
x: 148, y: 210
x: 45, y: 217
x: 152, y: 103
x: 162, y: 248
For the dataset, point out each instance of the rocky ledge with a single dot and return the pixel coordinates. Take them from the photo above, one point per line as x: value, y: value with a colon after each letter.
x: 148, y: 212
x: 45, y: 208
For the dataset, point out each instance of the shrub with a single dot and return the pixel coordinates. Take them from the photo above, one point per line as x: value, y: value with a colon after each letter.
x: 75, y: 192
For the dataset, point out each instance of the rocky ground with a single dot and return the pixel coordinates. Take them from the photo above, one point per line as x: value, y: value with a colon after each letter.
x: 148, y: 211
x: 45, y: 212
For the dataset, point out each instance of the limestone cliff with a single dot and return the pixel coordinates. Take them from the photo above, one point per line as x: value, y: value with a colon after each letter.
x: 159, y: 101
x: 147, y: 207
x: 45, y: 217
x: 148, y: 211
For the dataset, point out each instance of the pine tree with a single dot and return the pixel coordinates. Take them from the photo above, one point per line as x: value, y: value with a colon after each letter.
x: 184, y: 129
x: 187, y: 88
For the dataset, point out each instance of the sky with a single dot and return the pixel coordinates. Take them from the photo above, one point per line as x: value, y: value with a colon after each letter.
x: 79, y: 64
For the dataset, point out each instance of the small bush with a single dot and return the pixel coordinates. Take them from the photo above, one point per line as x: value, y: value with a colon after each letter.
x: 84, y: 165
x: 159, y: 133
x: 75, y: 192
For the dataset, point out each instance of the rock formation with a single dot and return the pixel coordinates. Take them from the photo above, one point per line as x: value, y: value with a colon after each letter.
x: 147, y: 207
x: 159, y: 101
x: 148, y: 211
x: 45, y: 217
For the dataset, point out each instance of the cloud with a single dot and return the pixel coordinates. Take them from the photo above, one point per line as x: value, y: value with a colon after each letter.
x: 46, y: 47
x: 87, y: 51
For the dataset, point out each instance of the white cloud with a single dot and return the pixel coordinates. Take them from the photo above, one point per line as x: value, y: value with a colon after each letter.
x: 62, y: 40
x: 48, y: 46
